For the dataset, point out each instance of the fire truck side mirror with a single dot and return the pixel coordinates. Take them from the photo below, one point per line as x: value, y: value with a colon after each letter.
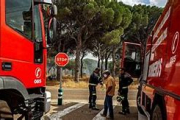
x: 52, y: 30
x: 53, y: 10
x: 43, y: 1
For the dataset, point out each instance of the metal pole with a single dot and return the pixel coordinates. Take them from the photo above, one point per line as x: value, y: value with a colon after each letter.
x: 60, y: 90
x: 60, y: 77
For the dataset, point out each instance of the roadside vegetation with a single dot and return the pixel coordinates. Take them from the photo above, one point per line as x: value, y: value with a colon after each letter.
x: 68, y: 82
x: 99, y: 27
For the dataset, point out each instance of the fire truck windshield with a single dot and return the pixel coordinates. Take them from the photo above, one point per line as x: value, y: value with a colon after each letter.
x: 18, y: 16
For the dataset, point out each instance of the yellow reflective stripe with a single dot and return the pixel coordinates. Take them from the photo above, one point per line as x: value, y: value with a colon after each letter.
x: 92, y: 84
x: 124, y: 87
x: 94, y: 94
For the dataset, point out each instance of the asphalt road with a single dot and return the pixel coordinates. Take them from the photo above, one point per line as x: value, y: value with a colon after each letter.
x: 82, y: 94
x: 75, y: 105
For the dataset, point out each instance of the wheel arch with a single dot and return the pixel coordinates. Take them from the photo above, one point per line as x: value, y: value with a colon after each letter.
x: 11, y: 83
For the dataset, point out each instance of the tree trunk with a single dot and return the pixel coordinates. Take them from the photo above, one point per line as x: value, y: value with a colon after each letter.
x: 99, y: 62
x: 99, y: 56
x: 102, y: 64
x: 106, y: 63
x: 83, y: 55
x: 107, y: 55
x: 77, y: 63
x: 106, y: 60
x: 113, y: 61
x: 78, y: 53
x: 72, y: 72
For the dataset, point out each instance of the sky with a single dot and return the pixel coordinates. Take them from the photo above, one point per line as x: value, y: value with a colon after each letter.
x: 159, y: 3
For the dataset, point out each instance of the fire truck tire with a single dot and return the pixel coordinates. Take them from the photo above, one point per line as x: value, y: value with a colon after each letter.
x: 138, y: 100
x: 157, y: 113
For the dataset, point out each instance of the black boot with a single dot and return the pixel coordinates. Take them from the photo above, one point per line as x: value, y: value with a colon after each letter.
x: 127, y: 111
x: 90, y: 106
x: 95, y: 108
x: 122, y: 113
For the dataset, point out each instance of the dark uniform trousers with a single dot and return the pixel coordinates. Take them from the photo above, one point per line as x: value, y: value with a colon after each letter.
x: 126, y: 80
x: 125, y: 103
x: 93, y: 82
x: 92, y: 96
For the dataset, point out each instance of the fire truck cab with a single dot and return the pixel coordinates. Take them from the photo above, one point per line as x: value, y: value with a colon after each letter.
x: 23, y: 54
x: 131, y: 58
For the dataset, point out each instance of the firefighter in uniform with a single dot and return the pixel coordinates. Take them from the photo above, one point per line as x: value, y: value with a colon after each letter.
x: 124, y: 81
x: 94, y: 80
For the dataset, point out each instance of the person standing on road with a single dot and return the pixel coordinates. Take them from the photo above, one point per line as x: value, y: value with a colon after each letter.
x: 110, y: 91
x: 124, y: 81
x: 94, y: 80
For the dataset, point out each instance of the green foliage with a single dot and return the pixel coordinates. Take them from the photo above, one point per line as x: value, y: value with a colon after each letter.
x: 70, y: 65
x: 127, y: 18
x: 113, y: 37
x: 110, y: 64
x: 118, y: 13
x: 64, y: 13
x: 107, y: 16
x: 96, y: 24
x: 102, y: 2
x: 103, y: 20
x: 143, y: 19
x: 89, y: 11
x: 118, y: 20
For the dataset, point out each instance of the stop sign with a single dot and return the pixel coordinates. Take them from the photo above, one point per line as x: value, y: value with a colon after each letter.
x: 61, y: 59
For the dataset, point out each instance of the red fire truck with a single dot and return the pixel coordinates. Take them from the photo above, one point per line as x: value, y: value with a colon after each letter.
x: 131, y: 58
x: 159, y: 94
x: 23, y: 53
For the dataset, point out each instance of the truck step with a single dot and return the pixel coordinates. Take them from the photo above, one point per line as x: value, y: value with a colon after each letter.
x: 34, y: 96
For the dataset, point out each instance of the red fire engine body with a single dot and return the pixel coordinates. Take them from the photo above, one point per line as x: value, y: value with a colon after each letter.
x: 23, y: 57
x: 159, y: 95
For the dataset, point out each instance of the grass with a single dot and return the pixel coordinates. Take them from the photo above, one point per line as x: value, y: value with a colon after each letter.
x: 68, y: 82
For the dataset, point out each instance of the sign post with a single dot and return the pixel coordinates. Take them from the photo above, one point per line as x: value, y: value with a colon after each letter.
x: 61, y: 60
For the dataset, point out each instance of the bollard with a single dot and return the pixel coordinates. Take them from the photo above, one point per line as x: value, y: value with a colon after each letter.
x: 60, y: 96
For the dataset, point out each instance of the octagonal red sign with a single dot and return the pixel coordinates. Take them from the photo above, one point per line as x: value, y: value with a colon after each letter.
x: 61, y: 59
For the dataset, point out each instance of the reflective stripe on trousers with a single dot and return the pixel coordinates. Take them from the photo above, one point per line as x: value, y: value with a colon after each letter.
x: 92, y: 84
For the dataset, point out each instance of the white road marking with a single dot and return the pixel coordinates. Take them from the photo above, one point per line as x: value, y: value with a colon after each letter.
x: 99, y: 117
x: 57, y: 116
x: 132, y: 103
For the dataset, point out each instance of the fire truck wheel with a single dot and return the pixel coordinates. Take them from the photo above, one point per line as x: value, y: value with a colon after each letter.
x: 138, y: 100
x: 157, y: 113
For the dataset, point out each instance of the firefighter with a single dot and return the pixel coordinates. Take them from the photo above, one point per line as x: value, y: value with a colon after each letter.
x: 94, y: 80
x: 124, y: 81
